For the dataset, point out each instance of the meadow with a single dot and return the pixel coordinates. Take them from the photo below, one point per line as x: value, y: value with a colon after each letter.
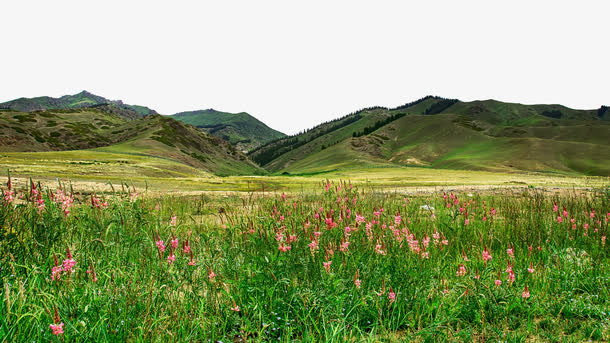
x: 340, y: 261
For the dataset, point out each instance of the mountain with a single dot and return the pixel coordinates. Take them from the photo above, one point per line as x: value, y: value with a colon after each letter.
x: 447, y: 133
x: 81, y: 100
x: 93, y: 129
x: 240, y: 129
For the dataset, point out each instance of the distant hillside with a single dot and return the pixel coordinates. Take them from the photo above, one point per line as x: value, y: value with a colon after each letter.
x: 81, y: 100
x: 240, y: 129
x: 447, y: 133
x: 94, y: 128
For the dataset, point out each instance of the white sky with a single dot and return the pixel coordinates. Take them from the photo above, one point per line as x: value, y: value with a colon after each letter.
x: 295, y: 64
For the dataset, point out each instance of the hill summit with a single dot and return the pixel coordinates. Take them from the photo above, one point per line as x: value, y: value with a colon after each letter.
x: 83, y: 99
x: 240, y: 129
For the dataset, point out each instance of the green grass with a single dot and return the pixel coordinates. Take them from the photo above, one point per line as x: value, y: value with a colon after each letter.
x: 291, y: 296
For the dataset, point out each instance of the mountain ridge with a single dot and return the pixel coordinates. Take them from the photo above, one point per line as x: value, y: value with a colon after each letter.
x: 83, y: 99
x: 447, y: 133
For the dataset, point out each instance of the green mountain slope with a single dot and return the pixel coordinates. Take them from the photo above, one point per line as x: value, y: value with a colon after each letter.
x: 93, y: 128
x: 81, y: 100
x: 443, y: 133
x: 240, y: 129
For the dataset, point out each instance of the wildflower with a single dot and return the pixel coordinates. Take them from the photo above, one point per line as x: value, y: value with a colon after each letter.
x: 40, y: 203
x: 171, y: 258
x: 397, y: 219
x: 327, y: 265
x: 283, y: 247
x: 425, y: 255
x: 461, y: 270
x: 211, y: 275
x: 380, y: 249
x: 531, y: 268
x: 486, y: 255
x: 436, y: 235
x: 173, y: 220
x: 92, y: 272
x: 526, y: 293
x: 344, y: 246
x: 174, y: 243
x: 160, y: 246
x: 235, y: 308
x: 359, y: 219
x: 498, y: 282
x: 291, y: 238
x: 56, y: 273
x: 192, y: 261
x: 357, y: 281
x: 510, y: 252
x: 426, y: 241
x: 467, y: 222
x: 186, y: 247
x: 68, y: 263
x: 391, y: 296
x: 465, y: 257
x: 559, y: 219
x: 57, y: 327
x: 313, y: 246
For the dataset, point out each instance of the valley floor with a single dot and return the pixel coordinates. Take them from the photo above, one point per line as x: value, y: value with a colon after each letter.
x: 100, y: 171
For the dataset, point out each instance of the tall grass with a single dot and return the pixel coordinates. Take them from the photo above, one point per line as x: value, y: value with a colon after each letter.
x: 259, y: 268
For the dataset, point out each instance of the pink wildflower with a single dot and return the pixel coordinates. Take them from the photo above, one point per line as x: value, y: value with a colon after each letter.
x: 391, y: 296
x: 160, y: 246
x: 171, y: 258
x: 327, y: 265
x: 486, y: 255
x: 58, y: 329
x: 461, y: 270
x: 531, y: 268
x: 526, y: 293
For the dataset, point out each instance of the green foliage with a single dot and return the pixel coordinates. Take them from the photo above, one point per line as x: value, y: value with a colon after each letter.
x: 123, y: 288
x: 441, y: 106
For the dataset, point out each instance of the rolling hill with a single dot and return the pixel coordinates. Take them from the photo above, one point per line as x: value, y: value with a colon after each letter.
x: 240, y: 129
x: 81, y: 100
x: 447, y: 133
x: 94, y: 130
